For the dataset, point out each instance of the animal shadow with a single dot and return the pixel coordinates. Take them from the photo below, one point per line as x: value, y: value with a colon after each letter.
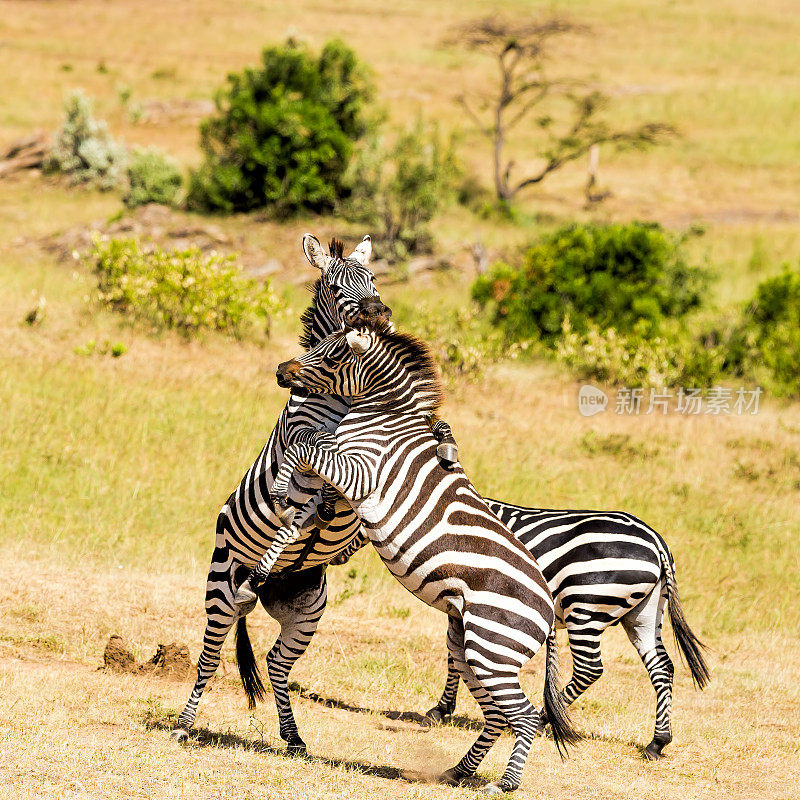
x: 466, y: 723
x: 203, y: 737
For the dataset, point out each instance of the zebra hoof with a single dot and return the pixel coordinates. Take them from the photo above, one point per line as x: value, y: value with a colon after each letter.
x: 447, y: 452
x: 245, y: 599
x: 179, y: 735
x: 296, y: 746
x: 435, y: 717
x: 653, y: 752
x: 322, y: 523
x: 493, y: 788
x: 285, y: 514
x: 451, y: 777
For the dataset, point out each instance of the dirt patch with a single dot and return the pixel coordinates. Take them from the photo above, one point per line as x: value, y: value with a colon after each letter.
x: 170, y: 660
x: 168, y: 228
x: 117, y: 658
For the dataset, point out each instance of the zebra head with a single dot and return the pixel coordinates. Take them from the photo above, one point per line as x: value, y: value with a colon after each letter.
x: 345, y: 293
x: 374, y: 363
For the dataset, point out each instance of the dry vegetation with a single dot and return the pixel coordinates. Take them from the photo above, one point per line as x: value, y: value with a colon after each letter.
x: 113, y: 469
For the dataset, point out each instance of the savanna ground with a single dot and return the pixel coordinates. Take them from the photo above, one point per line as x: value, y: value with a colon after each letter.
x: 112, y: 470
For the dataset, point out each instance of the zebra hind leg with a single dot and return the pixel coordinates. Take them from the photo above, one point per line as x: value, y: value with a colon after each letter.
x: 298, y: 617
x: 587, y: 665
x: 221, y: 614
x: 494, y: 721
x: 500, y: 682
x: 442, y: 712
x: 643, y: 626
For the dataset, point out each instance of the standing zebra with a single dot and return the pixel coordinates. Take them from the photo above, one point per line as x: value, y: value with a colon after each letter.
x: 249, y: 522
x: 603, y: 568
x: 433, y: 531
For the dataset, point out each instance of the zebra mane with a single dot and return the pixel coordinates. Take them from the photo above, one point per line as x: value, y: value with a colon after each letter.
x: 336, y: 248
x: 307, y: 337
x: 417, y: 359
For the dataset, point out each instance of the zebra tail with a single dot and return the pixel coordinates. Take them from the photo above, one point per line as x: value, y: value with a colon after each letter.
x: 248, y: 666
x: 689, y: 644
x: 555, y: 706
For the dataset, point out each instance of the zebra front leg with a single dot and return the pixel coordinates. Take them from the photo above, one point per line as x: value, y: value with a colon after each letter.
x: 247, y: 594
x: 442, y: 712
x: 352, y: 472
x: 298, y: 618
x: 323, y: 440
x: 326, y: 510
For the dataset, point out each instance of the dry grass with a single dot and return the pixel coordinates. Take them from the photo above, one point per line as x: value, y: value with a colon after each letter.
x: 722, y: 71
x: 71, y: 731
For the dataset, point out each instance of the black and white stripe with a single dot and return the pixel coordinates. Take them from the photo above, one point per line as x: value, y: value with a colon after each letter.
x: 433, y: 531
x: 603, y: 568
x: 249, y: 524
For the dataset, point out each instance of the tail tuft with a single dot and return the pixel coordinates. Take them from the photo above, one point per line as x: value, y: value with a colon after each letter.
x: 555, y: 707
x: 248, y: 667
x: 689, y: 644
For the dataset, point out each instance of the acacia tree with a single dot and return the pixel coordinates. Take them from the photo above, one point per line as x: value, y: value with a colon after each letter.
x: 564, y: 110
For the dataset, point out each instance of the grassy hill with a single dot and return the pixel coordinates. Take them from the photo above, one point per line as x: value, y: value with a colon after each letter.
x: 113, y: 469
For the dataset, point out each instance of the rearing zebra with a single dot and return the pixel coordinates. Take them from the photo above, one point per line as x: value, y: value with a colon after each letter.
x: 431, y: 528
x: 249, y: 522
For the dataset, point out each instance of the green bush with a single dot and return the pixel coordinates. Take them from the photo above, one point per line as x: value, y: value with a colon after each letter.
x: 673, y: 359
x: 83, y: 147
x: 398, y: 190
x: 183, y: 290
x: 283, y: 133
x: 765, y: 345
x: 630, y: 277
x: 152, y: 178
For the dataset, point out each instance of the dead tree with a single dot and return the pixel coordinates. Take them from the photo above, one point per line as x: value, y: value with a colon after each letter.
x: 522, y: 51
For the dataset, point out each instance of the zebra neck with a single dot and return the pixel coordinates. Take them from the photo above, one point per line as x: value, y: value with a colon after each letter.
x: 377, y: 445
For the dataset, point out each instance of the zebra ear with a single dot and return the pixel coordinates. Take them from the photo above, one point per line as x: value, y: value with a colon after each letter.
x: 315, y: 254
x: 359, y: 343
x: 363, y: 251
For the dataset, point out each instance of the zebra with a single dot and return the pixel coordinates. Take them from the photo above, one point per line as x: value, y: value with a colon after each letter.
x: 432, y: 530
x: 249, y: 523
x: 603, y: 568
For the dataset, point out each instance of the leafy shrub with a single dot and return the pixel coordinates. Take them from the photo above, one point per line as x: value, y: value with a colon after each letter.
x: 184, y: 290
x: 460, y: 339
x: 152, y: 178
x: 284, y: 132
x: 628, y: 277
x: 83, y: 148
x: 674, y: 359
x: 765, y: 345
x: 399, y: 190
